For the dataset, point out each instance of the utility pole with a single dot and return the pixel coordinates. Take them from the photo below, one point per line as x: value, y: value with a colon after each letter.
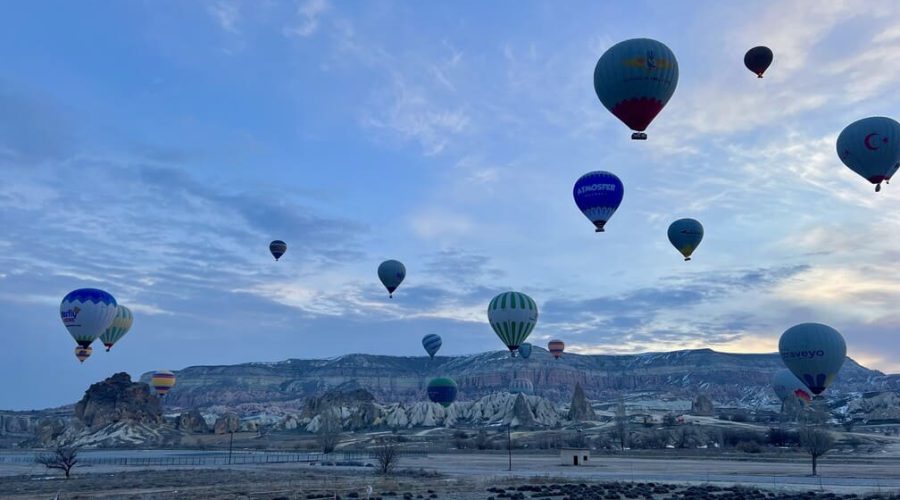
x: 509, y: 443
x: 230, y: 445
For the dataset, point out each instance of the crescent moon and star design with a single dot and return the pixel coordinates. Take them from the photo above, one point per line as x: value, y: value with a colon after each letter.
x: 869, y: 138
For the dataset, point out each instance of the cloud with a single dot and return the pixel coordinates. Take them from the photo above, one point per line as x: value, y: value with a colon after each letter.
x: 409, y: 113
x: 227, y: 14
x: 309, y: 13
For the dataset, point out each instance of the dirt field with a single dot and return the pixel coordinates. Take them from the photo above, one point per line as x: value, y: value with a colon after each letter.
x: 473, y: 475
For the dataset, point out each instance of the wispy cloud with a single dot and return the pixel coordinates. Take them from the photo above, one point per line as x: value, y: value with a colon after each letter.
x: 227, y: 13
x: 309, y: 13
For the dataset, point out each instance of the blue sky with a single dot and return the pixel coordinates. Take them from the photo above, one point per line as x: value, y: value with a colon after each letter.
x: 153, y: 149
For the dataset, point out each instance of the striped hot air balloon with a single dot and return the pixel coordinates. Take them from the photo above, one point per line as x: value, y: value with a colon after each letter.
x: 786, y: 385
x: 442, y: 390
x: 162, y: 381
x: 634, y: 80
x: 556, y: 348
x: 512, y: 315
x: 431, y: 343
x: 119, y: 327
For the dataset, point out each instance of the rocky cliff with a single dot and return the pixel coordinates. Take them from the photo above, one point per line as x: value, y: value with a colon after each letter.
x: 727, y: 379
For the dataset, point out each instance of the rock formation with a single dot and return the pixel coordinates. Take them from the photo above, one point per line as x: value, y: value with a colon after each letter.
x: 580, y: 410
x: 702, y: 406
x: 192, y: 422
x: 118, y: 399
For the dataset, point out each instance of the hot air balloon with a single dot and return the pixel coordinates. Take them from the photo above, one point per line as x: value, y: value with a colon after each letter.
x: 525, y: 350
x: 758, y: 60
x: 391, y: 274
x: 83, y: 353
x: 786, y: 385
x: 556, y: 348
x: 119, y: 327
x: 598, y: 195
x: 431, y: 343
x: 634, y: 80
x: 442, y: 390
x: 86, y: 313
x: 871, y: 148
x: 512, y: 315
x: 814, y: 353
x: 685, y: 235
x: 278, y: 248
x: 162, y: 381
x: 521, y: 386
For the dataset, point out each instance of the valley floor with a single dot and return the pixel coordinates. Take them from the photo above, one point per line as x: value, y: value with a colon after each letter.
x: 454, y: 476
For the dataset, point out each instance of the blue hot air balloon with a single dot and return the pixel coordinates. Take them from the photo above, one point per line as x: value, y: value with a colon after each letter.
x: 598, y: 195
x: 86, y: 313
x: 634, y: 80
x: 391, y: 273
x: 525, y: 350
x: 871, y: 148
x: 442, y: 390
x: 685, y: 235
x: 814, y: 353
x: 431, y: 343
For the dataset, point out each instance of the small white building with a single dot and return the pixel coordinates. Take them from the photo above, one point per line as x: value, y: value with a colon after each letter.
x: 574, y: 456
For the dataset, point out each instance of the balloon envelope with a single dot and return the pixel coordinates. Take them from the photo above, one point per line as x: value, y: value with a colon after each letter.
x: 758, y: 60
x: 634, y: 80
x: 512, y: 315
x: 86, y: 313
x: 521, y: 386
x: 277, y: 248
x: 442, y: 390
x: 162, y: 381
x: 525, y: 350
x: 685, y: 235
x: 119, y: 327
x: 871, y: 148
x: 598, y: 195
x: 556, y: 348
x: 391, y: 274
x: 786, y: 385
x: 814, y: 353
x: 431, y: 343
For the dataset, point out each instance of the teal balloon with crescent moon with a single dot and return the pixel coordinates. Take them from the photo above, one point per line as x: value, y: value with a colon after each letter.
x: 512, y: 316
x: 871, y: 148
x: 814, y: 353
x: 685, y: 235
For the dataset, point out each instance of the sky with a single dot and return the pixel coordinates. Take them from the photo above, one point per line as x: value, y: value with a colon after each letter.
x: 154, y: 148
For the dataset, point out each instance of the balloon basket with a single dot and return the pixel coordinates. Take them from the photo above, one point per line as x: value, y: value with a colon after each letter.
x: 639, y: 136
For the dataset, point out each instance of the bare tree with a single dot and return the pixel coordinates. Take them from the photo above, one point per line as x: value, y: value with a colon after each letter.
x: 816, y: 442
x: 63, y: 458
x: 621, y: 424
x: 329, y: 432
x: 387, y: 455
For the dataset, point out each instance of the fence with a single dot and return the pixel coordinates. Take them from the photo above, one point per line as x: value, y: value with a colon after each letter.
x: 220, y: 458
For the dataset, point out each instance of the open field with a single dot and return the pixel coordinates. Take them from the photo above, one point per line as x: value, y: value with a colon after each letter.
x: 459, y: 475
